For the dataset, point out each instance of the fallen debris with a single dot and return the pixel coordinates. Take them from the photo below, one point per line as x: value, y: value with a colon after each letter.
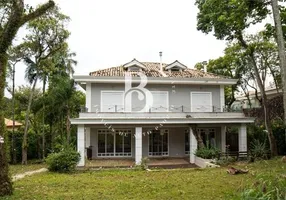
x: 234, y: 171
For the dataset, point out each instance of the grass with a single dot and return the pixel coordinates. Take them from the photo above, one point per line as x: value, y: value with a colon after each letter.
x: 131, y: 184
x: 19, y: 169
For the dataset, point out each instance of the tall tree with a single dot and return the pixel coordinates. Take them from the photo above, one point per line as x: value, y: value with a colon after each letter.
x: 281, y: 49
x: 47, y: 36
x: 229, y: 20
x: 13, y: 16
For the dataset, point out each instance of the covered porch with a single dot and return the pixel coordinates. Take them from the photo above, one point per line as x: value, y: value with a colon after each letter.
x: 165, y: 145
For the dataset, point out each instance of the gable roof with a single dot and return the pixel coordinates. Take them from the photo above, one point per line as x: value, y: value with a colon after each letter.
x: 176, y: 63
x: 153, y: 70
x: 134, y: 62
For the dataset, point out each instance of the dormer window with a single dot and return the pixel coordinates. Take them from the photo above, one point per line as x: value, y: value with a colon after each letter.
x: 176, y: 66
x: 134, y: 65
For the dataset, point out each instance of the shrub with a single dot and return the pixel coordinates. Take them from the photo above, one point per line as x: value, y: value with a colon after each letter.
x: 207, y: 153
x: 223, y: 161
x: 63, y: 161
x: 259, y: 150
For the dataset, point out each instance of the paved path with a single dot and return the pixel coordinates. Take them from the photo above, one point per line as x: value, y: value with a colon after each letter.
x: 20, y: 176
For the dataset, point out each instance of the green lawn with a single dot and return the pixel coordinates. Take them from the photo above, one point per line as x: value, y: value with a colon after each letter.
x: 19, y: 169
x: 131, y: 184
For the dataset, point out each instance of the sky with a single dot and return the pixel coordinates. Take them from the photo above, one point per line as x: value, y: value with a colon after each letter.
x: 108, y: 33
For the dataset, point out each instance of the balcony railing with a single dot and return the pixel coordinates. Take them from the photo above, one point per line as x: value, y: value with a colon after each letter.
x: 172, y: 108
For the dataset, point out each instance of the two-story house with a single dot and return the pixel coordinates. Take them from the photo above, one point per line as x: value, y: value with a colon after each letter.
x: 153, y: 111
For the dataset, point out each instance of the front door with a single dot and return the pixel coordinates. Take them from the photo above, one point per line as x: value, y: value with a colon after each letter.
x: 159, y: 143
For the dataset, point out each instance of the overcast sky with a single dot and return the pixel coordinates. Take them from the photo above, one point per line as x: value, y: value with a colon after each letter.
x: 107, y: 33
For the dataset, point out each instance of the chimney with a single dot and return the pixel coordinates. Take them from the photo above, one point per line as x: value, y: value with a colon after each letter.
x: 160, y: 54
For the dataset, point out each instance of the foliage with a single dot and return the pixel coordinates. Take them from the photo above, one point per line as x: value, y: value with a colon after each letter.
x: 143, y: 164
x: 63, y: 161
x: 224, y: 161
x: 266, y: 189
x: 207, y: 153
x: 259, y: 150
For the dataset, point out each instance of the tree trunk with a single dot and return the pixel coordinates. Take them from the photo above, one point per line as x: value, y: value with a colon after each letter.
x: 272, y: 141
x: 25, y: 143
x: 5, y: 182
x: 43, y: 131
x: 198, y: 137
x: 15, y: 21
x: 281, y: 51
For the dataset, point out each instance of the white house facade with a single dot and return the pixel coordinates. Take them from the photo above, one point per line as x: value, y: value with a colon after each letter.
x: 143, y: 109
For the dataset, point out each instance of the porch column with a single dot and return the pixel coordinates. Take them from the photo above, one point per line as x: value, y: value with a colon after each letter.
x: 87, y: 139
x: 223, y: 138
x: 138, y: 145
x: 88, y: 97
x: 81, y: 145
x: 193, y: 146
x: 242, y: 138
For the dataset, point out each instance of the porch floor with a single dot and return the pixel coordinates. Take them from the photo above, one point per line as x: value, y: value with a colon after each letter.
x: 152, y: 163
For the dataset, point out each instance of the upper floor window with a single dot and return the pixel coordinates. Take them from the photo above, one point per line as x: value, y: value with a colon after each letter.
x: 160, y: 101
x: 112, y: 101
x: 201, y: 102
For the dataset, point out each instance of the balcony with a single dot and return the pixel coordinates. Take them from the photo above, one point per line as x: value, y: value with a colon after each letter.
x: 160, y: 109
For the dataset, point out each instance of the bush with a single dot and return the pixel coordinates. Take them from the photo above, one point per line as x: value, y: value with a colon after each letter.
x: 208, y: 153
x: 224, y: 161
x: 259, y: 150
x: 63, y: 161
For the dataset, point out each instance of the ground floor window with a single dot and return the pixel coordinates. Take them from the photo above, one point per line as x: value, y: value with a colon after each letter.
x: 114, y: 144
x: 159, y: 143
x: 187, y: 142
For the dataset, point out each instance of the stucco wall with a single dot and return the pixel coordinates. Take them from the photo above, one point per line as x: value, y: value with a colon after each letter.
x: 178, y: 94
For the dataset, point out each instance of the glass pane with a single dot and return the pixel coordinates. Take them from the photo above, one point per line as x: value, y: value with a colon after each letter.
x: 101, y: 143
x: 187, y: 142
x: 119, y: 143
x: 127, y: 143
x: 165, y: 142
x: 110, y: 143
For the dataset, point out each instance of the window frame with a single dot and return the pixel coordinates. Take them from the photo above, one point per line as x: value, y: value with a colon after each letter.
x: 191, y: 101
x: 110, y: 91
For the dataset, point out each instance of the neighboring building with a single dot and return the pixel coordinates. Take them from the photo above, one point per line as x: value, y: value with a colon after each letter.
x: 9, y: 124
x: 242, y: 101
x: 119, y: 125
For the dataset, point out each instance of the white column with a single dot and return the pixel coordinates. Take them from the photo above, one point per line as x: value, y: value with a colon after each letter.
x: 193, y: 146
x: 88, y: 97
x: 242, y: 138
x: 138, y: 145
x: 81, y: 145
x: 223, y: 138
x: 87, y: 137
x: 222, y: 101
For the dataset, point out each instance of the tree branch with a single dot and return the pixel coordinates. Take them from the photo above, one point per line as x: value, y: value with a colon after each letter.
x: 38, y: 12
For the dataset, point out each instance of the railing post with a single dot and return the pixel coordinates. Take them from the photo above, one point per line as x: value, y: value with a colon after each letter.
x: 213, y: 108
x: 182, y: 108
x: 115, y: 108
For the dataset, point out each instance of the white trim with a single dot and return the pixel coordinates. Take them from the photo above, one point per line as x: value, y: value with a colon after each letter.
x: 191, y: 97
x: 88, y: 97
x: 134, y: 62
x: 159, y: 121
x: 160, y: 92
x: 176, y: 64
x: 155, y: 80
x: 81, y: 145
x: 154, y: 156
x: 110, y: 91
x: 222, y: 101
